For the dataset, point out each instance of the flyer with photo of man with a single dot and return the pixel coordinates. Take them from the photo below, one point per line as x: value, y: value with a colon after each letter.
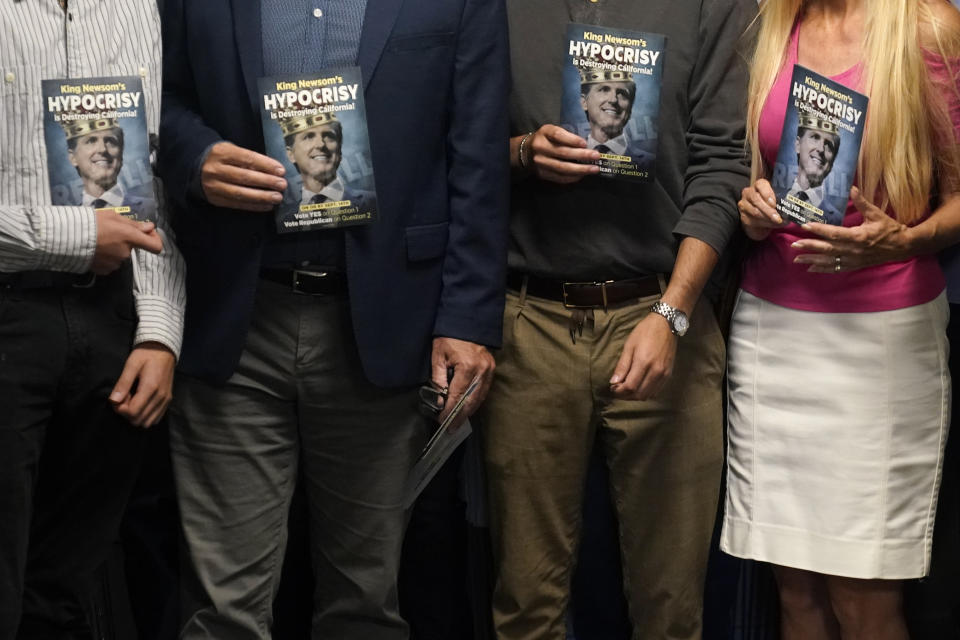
x: 98, y: 150
x: 819, y: 147
x: 316, y: 126
x: 611, y: 96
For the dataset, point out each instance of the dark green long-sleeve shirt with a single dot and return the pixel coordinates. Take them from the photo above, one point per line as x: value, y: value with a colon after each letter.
x: 602, y: 228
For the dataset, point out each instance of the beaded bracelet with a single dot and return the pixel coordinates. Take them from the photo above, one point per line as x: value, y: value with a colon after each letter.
x: 523, y: 140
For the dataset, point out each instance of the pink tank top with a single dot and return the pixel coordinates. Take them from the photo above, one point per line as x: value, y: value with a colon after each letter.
x: 769, y: 271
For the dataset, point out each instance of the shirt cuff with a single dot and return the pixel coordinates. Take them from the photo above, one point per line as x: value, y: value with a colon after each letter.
x: 195, y: 187
x: 66, y: 238
x: 159, y: 321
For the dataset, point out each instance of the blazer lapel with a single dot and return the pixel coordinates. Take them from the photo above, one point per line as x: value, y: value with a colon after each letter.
x: 378, y: 21
x: 247, y: 32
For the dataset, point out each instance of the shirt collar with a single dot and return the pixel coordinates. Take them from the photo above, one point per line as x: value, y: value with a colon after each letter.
x: 617, y: 146
x: 333, y: 191
x: 113, y: 197
x: 814, y: 194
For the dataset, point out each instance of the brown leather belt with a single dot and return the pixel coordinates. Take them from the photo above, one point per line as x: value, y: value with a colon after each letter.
x: 311, y: 283
x: 586, y: 295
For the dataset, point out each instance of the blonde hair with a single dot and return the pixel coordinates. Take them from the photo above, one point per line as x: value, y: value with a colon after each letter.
x: 909, y: 149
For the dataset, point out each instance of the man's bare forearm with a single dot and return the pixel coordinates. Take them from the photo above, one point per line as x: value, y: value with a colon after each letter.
x: 695, y: 262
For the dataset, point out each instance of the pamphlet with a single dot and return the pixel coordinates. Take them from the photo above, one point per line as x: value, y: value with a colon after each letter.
x: 819, y: 147
x: 611, y: 96
x: 98, y: 150
x: 316, y: 126
x: 438, y: 449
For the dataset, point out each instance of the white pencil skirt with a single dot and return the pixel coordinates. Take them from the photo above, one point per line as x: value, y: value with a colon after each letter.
x: 837, y: 424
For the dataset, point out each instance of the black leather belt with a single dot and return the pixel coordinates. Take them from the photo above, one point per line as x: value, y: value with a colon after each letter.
x: 577, y: 295
x: 26, y: 280
x: 312, y: 283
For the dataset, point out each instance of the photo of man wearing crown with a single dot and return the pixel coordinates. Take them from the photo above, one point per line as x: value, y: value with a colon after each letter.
x: 93, y: 147
x: 611, y: 97
x: 817, y: 144
x: 315, y: 149
x: 607, y: 99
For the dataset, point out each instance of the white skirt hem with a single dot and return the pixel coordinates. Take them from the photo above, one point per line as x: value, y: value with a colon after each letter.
x: 885, y: 559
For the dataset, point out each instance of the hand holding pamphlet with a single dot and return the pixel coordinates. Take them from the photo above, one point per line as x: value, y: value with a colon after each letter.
x: 819, y: 148
x: 98, y: 150
x: 611, y: 96
x: 439, y: 447
x: 316, y: 126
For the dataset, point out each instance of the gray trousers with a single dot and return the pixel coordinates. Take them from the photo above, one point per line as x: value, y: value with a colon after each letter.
x: 297, y: 397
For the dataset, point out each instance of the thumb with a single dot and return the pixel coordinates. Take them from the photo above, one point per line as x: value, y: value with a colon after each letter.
x: 864, y: 206
x: 623, y: 366
x: 438, y: 371
x: 121, y: 390
x: 151, y: 241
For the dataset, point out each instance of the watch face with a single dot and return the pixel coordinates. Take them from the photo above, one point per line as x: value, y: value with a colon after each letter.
x: 681, y: 323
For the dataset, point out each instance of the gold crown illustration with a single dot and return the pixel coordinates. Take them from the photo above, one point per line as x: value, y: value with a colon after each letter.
x: 78, y: 128
x: 592, y: 76
x: 296, y: 124
x: 813, y: 122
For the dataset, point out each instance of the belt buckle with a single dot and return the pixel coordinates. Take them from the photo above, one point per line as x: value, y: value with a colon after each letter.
x: 91, y: 279
x: 295, y: 279
x: 596, y: 283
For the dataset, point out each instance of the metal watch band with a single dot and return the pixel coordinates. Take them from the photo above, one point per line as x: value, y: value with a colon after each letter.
x: 670, y: 313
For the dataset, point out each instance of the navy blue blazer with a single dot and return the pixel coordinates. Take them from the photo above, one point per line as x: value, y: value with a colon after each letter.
x: 436, y: 80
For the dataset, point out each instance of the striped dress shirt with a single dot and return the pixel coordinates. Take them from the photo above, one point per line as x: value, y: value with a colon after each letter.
x: 92, y: 38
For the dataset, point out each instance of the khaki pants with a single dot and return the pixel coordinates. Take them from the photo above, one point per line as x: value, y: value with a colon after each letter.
x: 550, y: 400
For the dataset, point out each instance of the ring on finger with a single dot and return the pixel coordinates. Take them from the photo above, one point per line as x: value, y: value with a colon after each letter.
x: 836, y: 266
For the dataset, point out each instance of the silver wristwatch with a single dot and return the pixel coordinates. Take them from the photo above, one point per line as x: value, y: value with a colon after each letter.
x: 679, y: 323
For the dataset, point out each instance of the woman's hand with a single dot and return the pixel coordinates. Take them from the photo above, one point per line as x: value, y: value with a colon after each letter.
x: 758, y: 210
x: 878, y: 239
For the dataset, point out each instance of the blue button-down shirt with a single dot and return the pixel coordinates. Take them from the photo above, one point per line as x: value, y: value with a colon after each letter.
x: 306, y: 36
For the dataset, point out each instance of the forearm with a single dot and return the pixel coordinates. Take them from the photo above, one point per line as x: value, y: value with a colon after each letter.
x: 46, y: 238
x: 159, y: 290
x: 717, y: 169
x: 937, y: 232
x: 186, y: 136
x: 474, y: 266
x: 695, y: 262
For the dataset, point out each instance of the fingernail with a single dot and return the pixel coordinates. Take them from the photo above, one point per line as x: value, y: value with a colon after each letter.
x: 116, y: 396
x: 797, y: 245
x: 276, y: 197
x: 779, y: 220
x: 772, y: 201
x: 280, y: 185
x: 279, y: 171
x: 805, y: 225
x: 615, y: 380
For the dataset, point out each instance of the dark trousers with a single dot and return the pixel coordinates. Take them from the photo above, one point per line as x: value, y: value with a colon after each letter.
x: 434, y: 589
x: 150, y: 536
x: 67, y: 461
